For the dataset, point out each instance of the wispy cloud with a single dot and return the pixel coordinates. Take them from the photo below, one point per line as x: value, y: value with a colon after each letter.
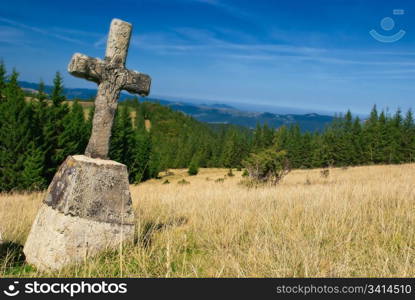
x: 41, y: 31
x: 11, y: 35
x: 101, y: 41
x: 188, y: 41
x: 75, y: 32
x: 228, y: 8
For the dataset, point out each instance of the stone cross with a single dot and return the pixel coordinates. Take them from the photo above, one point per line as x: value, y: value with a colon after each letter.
x: 88, y: 205
x: 112, y: 77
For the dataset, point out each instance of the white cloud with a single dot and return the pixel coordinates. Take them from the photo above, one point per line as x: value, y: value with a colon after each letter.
x: 41, y: 31
x: 191, y: 41
x: 228, y: 8
x: 101, y: 41
x: 11, y: 35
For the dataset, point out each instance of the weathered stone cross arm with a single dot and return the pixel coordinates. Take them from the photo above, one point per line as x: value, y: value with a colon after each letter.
x: 94, y: 69
x: 111, y: 76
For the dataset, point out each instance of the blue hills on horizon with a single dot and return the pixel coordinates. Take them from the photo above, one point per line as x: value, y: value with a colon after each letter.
x: 213, y: 113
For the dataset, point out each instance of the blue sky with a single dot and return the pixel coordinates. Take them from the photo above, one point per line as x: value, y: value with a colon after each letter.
x: 314, y: 55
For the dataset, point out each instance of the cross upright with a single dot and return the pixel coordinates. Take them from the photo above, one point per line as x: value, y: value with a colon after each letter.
x: 111, y: 76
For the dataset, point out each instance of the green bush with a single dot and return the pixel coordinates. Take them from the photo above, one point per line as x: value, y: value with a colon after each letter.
x: 193, y: 167
x: 269, y: 165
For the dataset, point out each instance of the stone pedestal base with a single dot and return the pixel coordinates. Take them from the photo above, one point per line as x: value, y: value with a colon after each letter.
x: 87, y: 210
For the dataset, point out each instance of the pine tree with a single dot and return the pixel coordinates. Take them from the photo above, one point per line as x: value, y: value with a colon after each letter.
x: 346, y: 141
x: 371, y: 136
x: 41, y: 95
x: 396, y: 138
x: 32, y: 174
x: 267, y: 136
x: 357, y: 153
x: 57, y: 96
x: 15, y: 135
x: 40, y: 115
x: 228, y: 158
x: 154, y: 163
x: 145, y: 164
x: 2, y: 79
x: 74, y: 138
x: 294, y: 146
x: 408, y: 137
x: 193, y: 167
x: 53, y: 128
x: 381, y: 154
x: 318, y: 157
x: 132, y: 147
x: 306, y: 150
x: 258, y: 143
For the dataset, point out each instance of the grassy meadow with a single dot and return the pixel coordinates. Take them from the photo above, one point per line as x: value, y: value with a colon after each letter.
x: 356, y: 222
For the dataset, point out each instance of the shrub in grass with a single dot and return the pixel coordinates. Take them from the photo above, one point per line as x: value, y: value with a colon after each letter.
x: 193, y: 167
x: 268, y: 166
x: 183, y: 182
x: 325, y: 173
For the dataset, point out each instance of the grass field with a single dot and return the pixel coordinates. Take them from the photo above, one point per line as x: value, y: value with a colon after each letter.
x: 356, y: 222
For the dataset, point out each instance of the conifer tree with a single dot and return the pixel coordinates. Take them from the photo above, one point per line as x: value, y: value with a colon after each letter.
x: 15, y: 134
x: 2, y: 79
x: 32, y: 174
x: 154, y: 163
x: 57, y: 95
x: 229, y: 150
x: 396, y: 138
x: 258, y: 140
x: 381, y: 154
x: 74, y: 138
x: 408, y: 137
x: 294, y: 146
x: 193, y: 167
x: 40, y: 110
x: 371, y: 136
x: 145, y: 164
x: 267, y: 136
x: 53, y: 128
x: 357, y: 153
x: 121, y: 135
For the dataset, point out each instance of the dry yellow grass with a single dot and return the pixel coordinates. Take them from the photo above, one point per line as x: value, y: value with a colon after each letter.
x: 357, y: 222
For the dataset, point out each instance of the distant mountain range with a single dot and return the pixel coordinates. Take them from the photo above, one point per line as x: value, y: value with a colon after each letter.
x: 211, y: 113
x: 225, y: 114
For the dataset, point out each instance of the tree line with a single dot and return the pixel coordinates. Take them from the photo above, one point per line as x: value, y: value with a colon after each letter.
x: 38, y: 131
x: 381, y: 139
